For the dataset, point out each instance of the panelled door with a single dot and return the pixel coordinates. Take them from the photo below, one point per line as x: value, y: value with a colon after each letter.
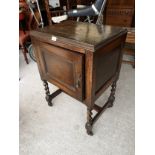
x: 62, y: 67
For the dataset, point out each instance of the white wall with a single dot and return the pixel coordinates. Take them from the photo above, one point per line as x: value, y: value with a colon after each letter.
x: 53, y: 3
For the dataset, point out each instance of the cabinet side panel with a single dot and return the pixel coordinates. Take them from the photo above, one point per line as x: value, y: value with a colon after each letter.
x: 106, y: 62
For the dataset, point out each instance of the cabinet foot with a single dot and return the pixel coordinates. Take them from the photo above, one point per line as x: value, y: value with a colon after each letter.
x: 89, y: 129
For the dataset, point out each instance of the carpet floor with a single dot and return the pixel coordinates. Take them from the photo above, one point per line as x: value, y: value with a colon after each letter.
x: 60, y: 130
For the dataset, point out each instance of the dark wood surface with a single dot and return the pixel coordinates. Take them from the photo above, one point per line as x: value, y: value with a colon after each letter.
x: 120, y: 13
x: 56, y: 62
x: 82, y: 59
x: 68, y: 3
x: 88, y: 36
x: 117, y: 16
x: 46, y: 4
x: 121, y: 2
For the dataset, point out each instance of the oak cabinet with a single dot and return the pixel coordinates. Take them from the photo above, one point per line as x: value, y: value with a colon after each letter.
x: 82, y: 60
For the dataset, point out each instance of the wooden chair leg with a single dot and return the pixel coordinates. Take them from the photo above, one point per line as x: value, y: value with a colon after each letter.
x: 24, y: 50
x: 89, y: 123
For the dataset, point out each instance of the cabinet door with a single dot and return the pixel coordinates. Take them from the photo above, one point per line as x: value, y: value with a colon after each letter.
x: 62, y: 67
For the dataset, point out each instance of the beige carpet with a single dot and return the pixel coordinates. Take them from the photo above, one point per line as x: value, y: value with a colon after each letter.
x: 59, y: 130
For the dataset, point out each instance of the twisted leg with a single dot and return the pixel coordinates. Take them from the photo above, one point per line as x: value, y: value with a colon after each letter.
x: 48, y: 98
x: 88, y: 125
x: 111, y: 98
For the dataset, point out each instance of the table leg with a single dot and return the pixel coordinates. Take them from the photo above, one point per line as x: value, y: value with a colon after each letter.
x: 111, y: 98
x: 89, y: 122
x: 48, y: 98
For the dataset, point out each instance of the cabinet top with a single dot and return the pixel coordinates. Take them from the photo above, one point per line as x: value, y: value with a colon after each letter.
x: 86, y: 35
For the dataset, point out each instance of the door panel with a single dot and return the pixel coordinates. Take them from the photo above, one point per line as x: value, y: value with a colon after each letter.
x: 62, y: 67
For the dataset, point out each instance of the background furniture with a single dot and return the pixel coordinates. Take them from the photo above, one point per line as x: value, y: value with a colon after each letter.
x: 28, y: 21
x: 120, y: 13
x: 129, y: 48
x: 81, y: 63
x: 117, y: 13
x: 25, y: 24
x: 68, y: 3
